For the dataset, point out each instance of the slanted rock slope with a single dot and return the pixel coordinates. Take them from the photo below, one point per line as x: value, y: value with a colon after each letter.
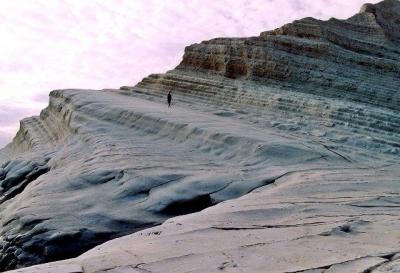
x: 302, y: 122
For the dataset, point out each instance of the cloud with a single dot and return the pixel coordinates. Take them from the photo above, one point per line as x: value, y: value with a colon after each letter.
x: 5, y: 138
x: 99, y: 44
x: 9, y: 114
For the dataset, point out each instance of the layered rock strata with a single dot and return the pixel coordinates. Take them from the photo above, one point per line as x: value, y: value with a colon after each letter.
x: 97, y: 165
x: 355, y: 59
x: 308, y: 114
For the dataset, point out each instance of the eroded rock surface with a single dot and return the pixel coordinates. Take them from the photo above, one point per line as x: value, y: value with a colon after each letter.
x: 324, y: 220
x: 116, y: 164
x: 305, y: 118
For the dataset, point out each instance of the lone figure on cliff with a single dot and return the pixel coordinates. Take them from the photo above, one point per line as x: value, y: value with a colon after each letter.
x: 169, y: 99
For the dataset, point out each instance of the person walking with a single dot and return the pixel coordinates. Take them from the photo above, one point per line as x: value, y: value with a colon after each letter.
x: 169, y: 99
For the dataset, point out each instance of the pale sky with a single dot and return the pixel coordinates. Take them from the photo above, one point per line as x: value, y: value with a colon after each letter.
x: 57, y: 44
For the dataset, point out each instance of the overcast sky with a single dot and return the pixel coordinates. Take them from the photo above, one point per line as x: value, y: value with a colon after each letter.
x: 97, y: 44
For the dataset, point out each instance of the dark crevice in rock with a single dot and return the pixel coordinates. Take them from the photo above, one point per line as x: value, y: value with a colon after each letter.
x: 271, y: 226
x: 342, y: 156
x: 65, y: 246
x: 375, y: 206
x: 17, y: 175
x: 22, y: 185
x: 309, y: 270
x: 388, y: 257
x: 182, y: 207
x: 23, y: 251
x: 327, y: 267
x: 266, y: 183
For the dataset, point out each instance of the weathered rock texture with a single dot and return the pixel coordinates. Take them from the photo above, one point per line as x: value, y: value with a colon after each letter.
x: 103, y: 165
x: 307, y: 114
x: 356, y: 59
x: 344, y: 71
x: 309, y: 221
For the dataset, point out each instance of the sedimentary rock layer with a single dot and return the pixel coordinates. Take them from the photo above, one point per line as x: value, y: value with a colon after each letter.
x: 308, y: 112
x: 97, y: 165
x: 354, y: 60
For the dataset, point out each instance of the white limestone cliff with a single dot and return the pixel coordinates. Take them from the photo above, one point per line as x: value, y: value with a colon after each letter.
x: 284, y: 147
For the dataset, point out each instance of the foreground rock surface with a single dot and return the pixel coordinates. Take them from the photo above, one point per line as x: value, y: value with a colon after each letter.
x: 323, y: 220
x: 302, y: 123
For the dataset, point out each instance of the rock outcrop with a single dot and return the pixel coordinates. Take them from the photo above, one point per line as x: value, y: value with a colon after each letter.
x: 308, y: 221
x: 354, y: 60
x: 98, y: 165
x: 305, y: 118
x: 343, y: 71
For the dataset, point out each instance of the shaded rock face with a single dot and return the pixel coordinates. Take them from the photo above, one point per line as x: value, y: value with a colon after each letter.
x: 96, y: 165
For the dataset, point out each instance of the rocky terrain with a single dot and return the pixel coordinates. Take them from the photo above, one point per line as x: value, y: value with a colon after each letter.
x: 289, y: 139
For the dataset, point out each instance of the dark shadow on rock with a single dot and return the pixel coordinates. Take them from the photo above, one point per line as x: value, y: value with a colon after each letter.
x: 182, y: 207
